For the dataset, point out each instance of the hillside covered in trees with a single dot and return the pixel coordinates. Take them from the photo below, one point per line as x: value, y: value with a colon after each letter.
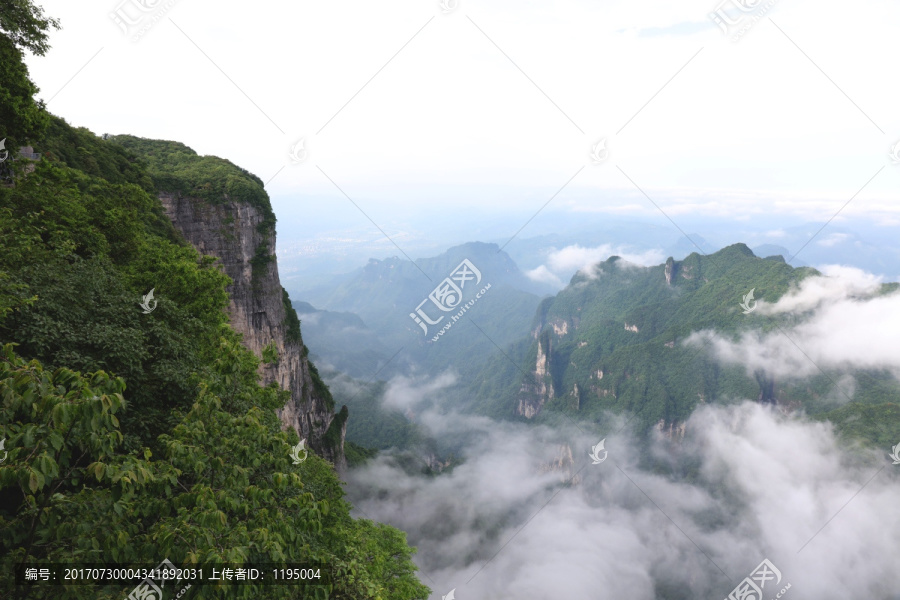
x: 133, y: 436
x: 622, y: 339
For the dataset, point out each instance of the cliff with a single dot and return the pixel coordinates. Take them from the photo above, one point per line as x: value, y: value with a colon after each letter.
x: 242, y: 237
x: 224, y: 211
x: 612, y: 340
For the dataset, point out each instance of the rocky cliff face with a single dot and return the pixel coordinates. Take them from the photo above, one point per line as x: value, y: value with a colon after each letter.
x: 625, y: 325
x: 670, y: 270
x: 563, y: 464
x: 239, y: 236
x: 532, y: 396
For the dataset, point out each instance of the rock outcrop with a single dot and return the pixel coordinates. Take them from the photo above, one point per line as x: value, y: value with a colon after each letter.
x: 563, y: 464
x: 533, y: 395
x: 671, y: 267
x: 240, y: 236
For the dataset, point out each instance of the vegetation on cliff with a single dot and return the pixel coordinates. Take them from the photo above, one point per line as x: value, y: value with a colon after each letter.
x: 133, y: 435
x: 613, y: 342
x: 23, y: 26
x: 176, y: 168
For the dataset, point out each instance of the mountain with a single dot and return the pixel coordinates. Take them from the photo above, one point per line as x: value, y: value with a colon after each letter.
x: 487, y: 302
x: 236, y: 225
x: 367, y: 290
x: 767, y: 250
x: 155, y: 385
x: 342, y: 340
x: 613, y: 342
x: 687, y: 245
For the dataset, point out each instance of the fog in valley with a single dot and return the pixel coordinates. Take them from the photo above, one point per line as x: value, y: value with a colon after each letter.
x: 527, y: 514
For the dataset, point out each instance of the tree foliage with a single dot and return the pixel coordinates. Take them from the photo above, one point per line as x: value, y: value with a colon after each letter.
x: 26, y: 26
x: 174, y: 167
x: 22, y: 117
x: 614, y: 342
x: 135, y: 437
x: 223, y: 490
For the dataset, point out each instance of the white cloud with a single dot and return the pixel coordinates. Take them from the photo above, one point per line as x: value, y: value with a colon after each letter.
x: 842, y: 325
x: 432, y: 118
x: 562, y: 264
x: 404, y: 393
x: 542, y: 274
x: 767, y: 486
x: 833, y: 239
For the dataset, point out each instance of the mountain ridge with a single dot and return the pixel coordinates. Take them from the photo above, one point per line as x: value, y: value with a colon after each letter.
x: 613, y: 341
x: 233, y: 221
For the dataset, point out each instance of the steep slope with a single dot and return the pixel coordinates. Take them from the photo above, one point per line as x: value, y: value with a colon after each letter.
x: 612, y: 341
x: 134, y: 429
x: 132, y: 422
x: 224, y: 212
x: 382, y: 282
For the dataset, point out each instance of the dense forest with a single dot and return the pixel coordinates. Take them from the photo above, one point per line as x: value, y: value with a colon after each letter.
x: 132, y: 437
x: 613, y: 342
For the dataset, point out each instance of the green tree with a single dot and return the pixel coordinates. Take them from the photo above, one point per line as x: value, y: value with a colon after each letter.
x: 25, y: 25
x: 22, y: 26
x: 22, y: 118
x: 222, y: 491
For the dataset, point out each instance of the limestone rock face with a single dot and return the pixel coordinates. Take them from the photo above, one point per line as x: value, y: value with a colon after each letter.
x: 533, y: 396
x: 670, y: 270
x: 235, y: 233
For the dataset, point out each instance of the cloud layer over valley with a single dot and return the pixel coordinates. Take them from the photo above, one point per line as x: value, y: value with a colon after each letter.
x: 839, y: 322
x: 528, y: 516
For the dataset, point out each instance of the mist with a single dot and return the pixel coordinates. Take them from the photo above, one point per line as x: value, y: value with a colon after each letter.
x: 561, y: 264
x: 830, y: 312
x: 528, y: 516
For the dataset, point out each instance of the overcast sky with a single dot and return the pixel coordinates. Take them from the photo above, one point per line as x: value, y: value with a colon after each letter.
x: 497, y: 104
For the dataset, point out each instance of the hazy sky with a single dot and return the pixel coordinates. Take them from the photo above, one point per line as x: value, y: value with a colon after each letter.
x: 497, y: 104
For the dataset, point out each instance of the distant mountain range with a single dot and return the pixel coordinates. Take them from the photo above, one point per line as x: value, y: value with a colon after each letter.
x: 367, y: 318
x: 610, y: 342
